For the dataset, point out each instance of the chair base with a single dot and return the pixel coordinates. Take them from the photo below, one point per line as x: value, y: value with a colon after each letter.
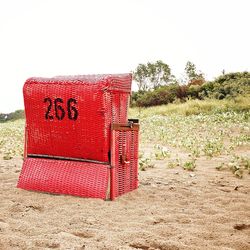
x: 65, y: 177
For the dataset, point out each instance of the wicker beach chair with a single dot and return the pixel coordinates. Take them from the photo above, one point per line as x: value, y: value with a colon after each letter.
x: 78, y: 139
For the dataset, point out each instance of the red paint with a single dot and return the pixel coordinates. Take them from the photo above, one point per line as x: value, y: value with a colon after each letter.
x: 72, y: 117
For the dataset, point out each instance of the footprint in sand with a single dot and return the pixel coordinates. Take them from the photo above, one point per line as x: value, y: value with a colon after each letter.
x: 36, y: 207
x: 139, y: 246
x: 18, y: 207
x: 47, y: 244
x: 84, y: 234
x: 241, y: 226
x: 153, y: 245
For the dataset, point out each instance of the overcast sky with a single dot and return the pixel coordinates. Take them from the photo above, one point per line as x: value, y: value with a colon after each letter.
x: 64, y: 37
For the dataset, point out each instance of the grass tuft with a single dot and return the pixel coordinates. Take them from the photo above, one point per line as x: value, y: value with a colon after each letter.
x: 195, y: 107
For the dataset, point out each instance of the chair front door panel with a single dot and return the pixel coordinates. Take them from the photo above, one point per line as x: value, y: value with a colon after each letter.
x: 70, y: 120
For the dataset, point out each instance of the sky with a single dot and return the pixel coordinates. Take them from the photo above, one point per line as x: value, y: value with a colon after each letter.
x: 69, y: 37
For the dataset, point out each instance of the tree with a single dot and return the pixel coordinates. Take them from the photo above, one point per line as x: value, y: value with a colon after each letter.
x: 140, y: 76
x: 194, y: 77
x: 159, y: 73
x: 152, y: 75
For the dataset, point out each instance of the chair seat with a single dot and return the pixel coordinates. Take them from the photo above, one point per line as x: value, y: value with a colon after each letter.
x: 65, y: 177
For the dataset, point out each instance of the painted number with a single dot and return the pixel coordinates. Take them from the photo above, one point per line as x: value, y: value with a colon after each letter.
x: 47, y: 115
x: 72, y: 111
x: 59, y: 110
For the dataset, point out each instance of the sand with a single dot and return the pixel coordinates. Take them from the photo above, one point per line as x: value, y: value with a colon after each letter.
x: 172, y: 209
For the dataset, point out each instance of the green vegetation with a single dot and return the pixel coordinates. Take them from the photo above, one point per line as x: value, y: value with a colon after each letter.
x: 237, y: 165
x: 193, y: 77
x: 18, y: 114
x: 174, y: 163
x: 156, y: 85
x: 190, y: 165
x: 12, y: 138
x: 225, y: 86
x: 203, y: 134
x: 152, y: 75
x: 208, y: 133
x: 207, y: 128
x: 196, y: 107
x: 201, y: 119
x: 145, y: 163
x: 161, y: 153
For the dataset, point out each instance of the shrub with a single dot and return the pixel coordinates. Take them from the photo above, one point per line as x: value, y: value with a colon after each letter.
x: 229, y: 85
x: 18, y: 114
x: 162, y: 95
x: 226, y: 86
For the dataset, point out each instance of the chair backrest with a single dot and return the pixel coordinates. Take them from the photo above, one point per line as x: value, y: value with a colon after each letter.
x: 72, y: 116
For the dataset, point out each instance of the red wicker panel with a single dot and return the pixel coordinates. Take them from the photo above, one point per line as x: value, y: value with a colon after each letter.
x: 71, y: 116
x: 120, y: 109
x: 125, y: 176
x: 65, y: 177
x: 134, y: 155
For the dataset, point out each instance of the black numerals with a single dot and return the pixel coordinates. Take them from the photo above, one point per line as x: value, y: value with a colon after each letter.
x: 60, y: 110
x: 47, y: 115
x: 72, y: 111
x: 60, y: 113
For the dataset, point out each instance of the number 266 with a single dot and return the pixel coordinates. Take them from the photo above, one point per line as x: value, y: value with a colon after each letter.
x: 59, y: 110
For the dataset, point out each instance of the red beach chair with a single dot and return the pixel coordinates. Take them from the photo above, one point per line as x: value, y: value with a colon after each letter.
x: 78, y: 139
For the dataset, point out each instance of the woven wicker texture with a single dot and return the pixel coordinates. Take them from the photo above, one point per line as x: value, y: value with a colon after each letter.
x: 125, y: 177
x: 71, y: 116
x: 65, y: 177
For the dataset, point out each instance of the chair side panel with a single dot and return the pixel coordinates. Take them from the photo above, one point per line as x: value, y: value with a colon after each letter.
x: 125, y: 161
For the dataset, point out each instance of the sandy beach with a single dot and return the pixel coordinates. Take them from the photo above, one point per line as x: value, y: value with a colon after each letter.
x: 172, y: 209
